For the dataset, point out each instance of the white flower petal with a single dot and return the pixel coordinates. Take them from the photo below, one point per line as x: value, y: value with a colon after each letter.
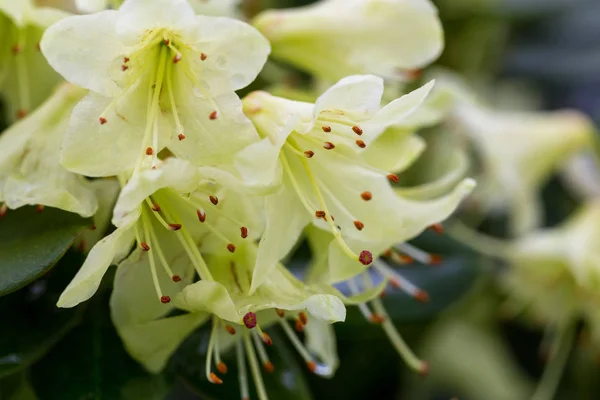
x: 83, y: 49
x: 358, y: 95
x: 135, y: 17
x: 233, y: 49
x: 286, y: 218
x: 88, y: 278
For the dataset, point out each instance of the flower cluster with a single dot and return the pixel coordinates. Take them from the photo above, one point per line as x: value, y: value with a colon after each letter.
x: 215, y: 191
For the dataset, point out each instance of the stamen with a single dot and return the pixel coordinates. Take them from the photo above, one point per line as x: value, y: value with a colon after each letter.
x: 230, y: 329
x: 362, y: 307
x: 393, y: 178
x: 145, y: 246
x: 214, y: 200
x: 244, y: 232
x: 3, y: 210
x: 222, y: 367
x: 203, y: 56
x: 303, y: 317
x: 357, y: 130
x: 181, y: 137
x: 102, y: 120
x: 328, y: 146
x: 359, y: 225
x: 39, y: 208
x: 231, y: 247
x: 437, y: 228
x: 159, y: 252
x: 400, y: 282
x: 124, y: 67
x: 149, y: 151
x: 366, y: 196
x: 178, y: 125
x: 250, y: 320
x: 280, y: 312
x: 213, y: 115
x: 211, y: 376
x: 298, y: 325
x: 201, y: 215
x: 163, y: 299
x: 262, y: 353
x: 326, y: 128
x: 174, y: 227
x: 254, y: 368
x: 361, y: 144
x: 242, y: 372
x: 125, y: 59
x: 312, y: 365
x: 309, y: 153
x: 399, y: 344
x: 320, y: 214
x: 418, y: 254
x: 155, y: 207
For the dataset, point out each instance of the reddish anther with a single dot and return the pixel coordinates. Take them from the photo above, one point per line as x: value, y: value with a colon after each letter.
x: 312, y: 366
x: 231, y: 247
x: 102, y: 120
x: 174, y: 227
x: 176, y: 278
x: 222, y: 367
x: 269, y: 367
x: 361, y: 144
x: 39, y: 208
x: 213, y: 115
x: 149, y: 151
x: 165, y: 299
x: 214, y: 199
x: 357, y: 130
x: 326, y: 129
x: 366, y: 196
x: 359, y: 225
x: 181, y: 137
x: 244, y: 232
x: 309, y: 154
x: 421, y: 296
x: 303, y: 317
x: 320, y: 214
x: 377, y: 319
x: 215, y: 379
x: 203, y: 56
x: 328, y: 146
x: 393, y: 178
x: 145, y: 246
x: 155, y: 207
x: 201, y: 215
x: 299, y: 326
x: 266, y: 339
x: 280, y: 312
x: 230, y: 329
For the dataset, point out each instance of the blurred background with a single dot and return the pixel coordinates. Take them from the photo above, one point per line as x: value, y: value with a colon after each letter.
x: 520, y: 54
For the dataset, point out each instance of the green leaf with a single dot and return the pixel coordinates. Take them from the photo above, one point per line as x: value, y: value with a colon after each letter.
x: 31, y: 243
x: 33, y: 322
x: 91, y: 363
x: 288, y: 381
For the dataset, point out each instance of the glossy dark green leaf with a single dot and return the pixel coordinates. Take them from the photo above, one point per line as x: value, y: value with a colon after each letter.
x: 91, y: 363
x: 288, y: 381
x: 31, y: 243
x: 31, y: 322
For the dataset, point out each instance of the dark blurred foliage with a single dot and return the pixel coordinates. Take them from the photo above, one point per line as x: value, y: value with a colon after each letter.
x: 552, y: 45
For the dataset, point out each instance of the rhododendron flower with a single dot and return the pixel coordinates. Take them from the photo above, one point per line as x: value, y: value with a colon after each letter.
x: 159, y: 76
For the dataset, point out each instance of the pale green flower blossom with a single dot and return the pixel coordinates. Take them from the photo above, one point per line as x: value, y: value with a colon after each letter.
x: 170, y: 207
x: 159, y: 76
x: 26, y: 79
x: 205, y: 7
x: 518, y: 150
x: 315, y: 151
x: 30, y: 171
x: 337, y: 38
x: 238, y: 318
